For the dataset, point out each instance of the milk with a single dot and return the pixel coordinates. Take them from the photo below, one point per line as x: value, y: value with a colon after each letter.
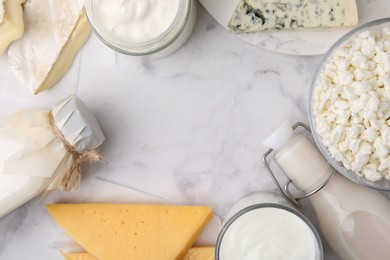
x: 16, y: 189
x: 34, y: 159
x: 355, y: 220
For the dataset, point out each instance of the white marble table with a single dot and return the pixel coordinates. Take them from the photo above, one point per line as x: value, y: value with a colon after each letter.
x: 188, y: 128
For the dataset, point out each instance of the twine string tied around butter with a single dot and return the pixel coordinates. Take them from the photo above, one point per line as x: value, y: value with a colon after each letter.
x: 71, y: 179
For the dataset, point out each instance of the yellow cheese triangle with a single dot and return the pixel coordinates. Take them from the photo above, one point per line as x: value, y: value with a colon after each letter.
x: 200, y: 253
x: 78, y: 256
x: 12, y: 27
x: 132, y: 231
x: 195, y: 253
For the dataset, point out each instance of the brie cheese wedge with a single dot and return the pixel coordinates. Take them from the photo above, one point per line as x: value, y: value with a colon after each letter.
x: 263, y: 15
x: 11, y: 22
x: 1, y: 10
x: 55, y: 31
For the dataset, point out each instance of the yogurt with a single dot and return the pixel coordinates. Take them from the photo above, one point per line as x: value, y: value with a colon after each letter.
x: 136, y: 21
x: 268, y: 233
x: 144, y: 28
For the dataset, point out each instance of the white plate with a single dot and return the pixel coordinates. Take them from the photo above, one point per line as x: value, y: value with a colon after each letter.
x: 311, y: 42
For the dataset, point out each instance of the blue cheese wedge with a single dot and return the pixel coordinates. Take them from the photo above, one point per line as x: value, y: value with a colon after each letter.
x: 263, y: 15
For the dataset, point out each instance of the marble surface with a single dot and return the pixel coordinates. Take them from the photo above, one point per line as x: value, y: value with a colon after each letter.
x: 187, y: 128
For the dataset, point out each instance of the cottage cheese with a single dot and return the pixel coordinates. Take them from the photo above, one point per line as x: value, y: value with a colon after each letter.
x: 352, y: 104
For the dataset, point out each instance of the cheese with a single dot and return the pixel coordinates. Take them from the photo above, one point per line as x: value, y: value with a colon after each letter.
x: 11, y: 22
x: 132, y: 231
x: 79, y: 256
x: 195, y: 253
x: 351, y: 104
x: 200, y: 253
x: 2, y: 12
x: 55, y: 31
x: 261, y: 15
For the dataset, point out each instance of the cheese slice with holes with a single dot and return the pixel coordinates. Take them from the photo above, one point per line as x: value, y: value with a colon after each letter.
x: 132, y: 231
x: 195, y: 253
x: 263, y: 15
x: 11, y: 22
x: 54, y: 32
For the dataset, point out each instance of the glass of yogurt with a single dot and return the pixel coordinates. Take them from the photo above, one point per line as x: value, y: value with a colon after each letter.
x: 266, y: 226
x: 154, y: 28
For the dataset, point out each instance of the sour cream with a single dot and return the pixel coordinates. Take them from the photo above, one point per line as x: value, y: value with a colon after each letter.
x: 136, y: 21
x: 142, y: 28
x: 268, y: 233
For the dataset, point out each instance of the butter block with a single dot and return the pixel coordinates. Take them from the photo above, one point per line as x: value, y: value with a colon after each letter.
x: 132, y: 231
x: 263, y: 15
x: 47, y: 49
x: 11, y: 22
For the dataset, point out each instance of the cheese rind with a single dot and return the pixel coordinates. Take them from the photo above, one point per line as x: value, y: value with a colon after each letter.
x: 132, y: 231
x: 55, y: 30
x: 262, y: 15
x: 11, y: 22
x: 2, y: 11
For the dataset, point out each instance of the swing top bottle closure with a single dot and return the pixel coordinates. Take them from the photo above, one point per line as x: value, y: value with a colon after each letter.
x: 355, y: 220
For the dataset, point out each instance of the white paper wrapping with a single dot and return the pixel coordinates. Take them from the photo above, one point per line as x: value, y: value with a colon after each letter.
x: 34, y: 159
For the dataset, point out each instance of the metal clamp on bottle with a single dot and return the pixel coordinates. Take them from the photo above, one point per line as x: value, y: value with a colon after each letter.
x: 285, y: 190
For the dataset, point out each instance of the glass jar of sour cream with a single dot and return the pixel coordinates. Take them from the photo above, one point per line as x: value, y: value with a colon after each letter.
x: 142, y: 27
x: 266, y: 226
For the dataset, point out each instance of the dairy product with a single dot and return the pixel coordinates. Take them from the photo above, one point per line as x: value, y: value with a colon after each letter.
x: 11, y: 22
x: 268, y: 233
x: 195, y: 253
x: 142, y: 27
x: 200, y: 253
x: 50, y: 43
x: 9, y: 183
x: 351, y: 104
x: 132, y: 231
x: 33, y: 159
x: 136, y: 21
x: 15, y: 189
x: 2, y: 12
x: 354, y: 219
x: 261, y: 15
x: 79, y: 256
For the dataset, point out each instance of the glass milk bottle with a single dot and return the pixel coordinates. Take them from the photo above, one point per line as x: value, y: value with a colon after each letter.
x: 355, y: 220
x: 34, y: 159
